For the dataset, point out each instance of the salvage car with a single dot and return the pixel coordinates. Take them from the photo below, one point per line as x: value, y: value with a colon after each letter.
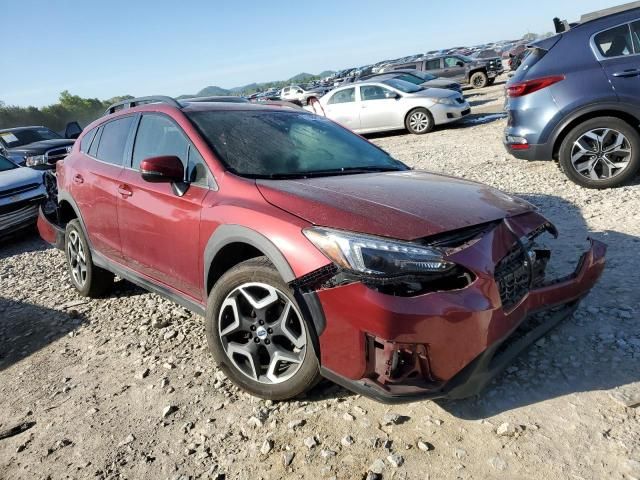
x: 391, y: 104
x: 417, y: 77
x: 478, y: 73
x: 309, y: 251
x: 22, y: 191
x: 576, y: 99
x: 38, y: 147
x: 299, y: 95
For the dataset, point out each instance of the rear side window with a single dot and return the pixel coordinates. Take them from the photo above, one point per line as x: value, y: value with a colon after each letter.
x: 635, y: 33
x: 615, y: 42
x: 158, y: 136
x: 85, y: 143
x: 113, y: 140
x: 343, y: 96
x: 432, y: 64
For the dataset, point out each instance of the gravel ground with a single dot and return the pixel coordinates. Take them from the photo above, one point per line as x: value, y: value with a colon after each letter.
x: 123, y: 387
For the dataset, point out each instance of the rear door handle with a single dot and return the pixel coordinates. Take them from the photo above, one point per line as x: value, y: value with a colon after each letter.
x: 77, y: 178
x: 125, y: 191
x: 631, y: 72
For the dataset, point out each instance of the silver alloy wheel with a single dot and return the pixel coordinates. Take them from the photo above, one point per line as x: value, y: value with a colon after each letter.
x: 601, y: 153
x: 419, y: 121
x: 262, y: 333
x: 77, y: 259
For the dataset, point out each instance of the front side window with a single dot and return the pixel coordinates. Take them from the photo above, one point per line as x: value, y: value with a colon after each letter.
x: 285, y: 144
x: 158, y: 136
x: 198, y: 173
x: 343, y: 96
x: 615, y: 42
x: 451, y: 62
x: 113, y: 141
x: 374, y: 92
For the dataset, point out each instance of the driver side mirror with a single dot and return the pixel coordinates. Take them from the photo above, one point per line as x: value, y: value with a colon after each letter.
x: 394, y: 95
x: 163, y: 169
x: 72, y: 130
x: 460, y: 64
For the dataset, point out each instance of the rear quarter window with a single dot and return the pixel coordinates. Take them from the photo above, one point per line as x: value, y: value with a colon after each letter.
x: 85, y: 143
x: 113, y: 141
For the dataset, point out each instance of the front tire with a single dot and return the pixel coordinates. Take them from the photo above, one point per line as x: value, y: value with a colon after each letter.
x: 88, y: 279
x: 258, y: 335
x: 603, y: 152
x: 419, y: 121
x: 479, y: 80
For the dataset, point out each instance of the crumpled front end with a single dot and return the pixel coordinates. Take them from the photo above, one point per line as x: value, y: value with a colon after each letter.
x: 399, y: 342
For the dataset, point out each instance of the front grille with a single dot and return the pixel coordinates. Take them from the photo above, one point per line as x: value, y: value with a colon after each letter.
x: 53, y: 155
x: 513, y: 276
x: 18, y: 217
x: 466, y: 112
x: 9, y: 192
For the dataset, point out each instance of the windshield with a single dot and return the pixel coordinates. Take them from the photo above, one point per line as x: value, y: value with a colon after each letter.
x: 423, y: 75
x: 403, y: 86
x: 465, y: 59
x: 286, y: 144
x: 18, y: 138
x: 405, y: 77
x: 6, y: 164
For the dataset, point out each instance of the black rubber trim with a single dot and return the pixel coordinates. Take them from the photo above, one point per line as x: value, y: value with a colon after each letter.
x: 310, y: 302
x: 123, y: 272
x: 472, y: 379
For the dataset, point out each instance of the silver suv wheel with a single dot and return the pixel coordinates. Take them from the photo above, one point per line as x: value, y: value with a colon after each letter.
x: 77, y: 259
x: 262, y: 333
x: 601, y: 153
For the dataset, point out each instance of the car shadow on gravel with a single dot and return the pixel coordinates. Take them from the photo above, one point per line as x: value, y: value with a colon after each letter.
x: 21, y: 242
x: 26, y: 328
x: 596, y: 349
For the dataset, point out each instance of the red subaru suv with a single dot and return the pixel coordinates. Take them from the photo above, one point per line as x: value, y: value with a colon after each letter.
x: 309, y: 251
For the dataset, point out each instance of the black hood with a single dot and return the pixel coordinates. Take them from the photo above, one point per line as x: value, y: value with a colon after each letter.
x: 38, y: 148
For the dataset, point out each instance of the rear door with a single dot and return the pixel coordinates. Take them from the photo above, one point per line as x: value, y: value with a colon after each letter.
x: 160, y: 230
x: 433, y: 66
x: 618, y: 51
x: 379, y: 108
x: 342, y: 107
x: 95, y: 183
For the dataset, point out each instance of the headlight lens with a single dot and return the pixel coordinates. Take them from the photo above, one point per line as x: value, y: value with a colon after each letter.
x: 33, y: 160
x: 376, y: 256
x: 446, y: 101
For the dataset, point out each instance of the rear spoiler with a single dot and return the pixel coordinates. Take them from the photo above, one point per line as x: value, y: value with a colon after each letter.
x: 563, y: 26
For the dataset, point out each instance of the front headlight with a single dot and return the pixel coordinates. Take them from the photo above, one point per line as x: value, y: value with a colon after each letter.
x: 376, y: 256
x: 446, y: 101
x: 34, y: 160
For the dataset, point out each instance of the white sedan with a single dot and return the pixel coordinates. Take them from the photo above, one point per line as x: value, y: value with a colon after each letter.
x: 391, y: 104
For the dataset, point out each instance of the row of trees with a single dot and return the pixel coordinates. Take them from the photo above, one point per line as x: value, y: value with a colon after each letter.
x: 68, y: 109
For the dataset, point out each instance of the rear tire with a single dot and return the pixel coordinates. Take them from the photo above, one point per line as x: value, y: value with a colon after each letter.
x: 88, y: 279
x: 589, y: 153
x: 479, y: 80
x: 419, y: 121
x: 251, y: 337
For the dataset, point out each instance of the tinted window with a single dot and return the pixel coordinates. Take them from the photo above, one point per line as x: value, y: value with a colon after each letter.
x: 272, y: 144
x: 343, y: 96
x: 21, y: 137
x: 403, y: 86
x: 635, y: 33
x: 433, y: 64
x: 113, y: 140
x: 6, y: 164
x: 94, y: 145
x: 85, y: 143
x: 374, y: 92
x: 158, y: 136
x: 615, y: 42
x: 410, y: 78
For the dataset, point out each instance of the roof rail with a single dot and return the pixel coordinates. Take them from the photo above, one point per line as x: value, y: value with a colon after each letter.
x: 587, y: 17
x: 134, y: 102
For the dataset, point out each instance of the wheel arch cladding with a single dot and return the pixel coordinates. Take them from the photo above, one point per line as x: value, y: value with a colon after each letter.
x: 247, y: 243
x: 583, y: 115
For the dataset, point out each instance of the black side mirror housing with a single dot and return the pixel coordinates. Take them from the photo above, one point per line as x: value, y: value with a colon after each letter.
x: 72, y: 130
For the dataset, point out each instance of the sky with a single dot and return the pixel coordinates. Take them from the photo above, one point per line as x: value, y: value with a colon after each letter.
x: 101, y: 49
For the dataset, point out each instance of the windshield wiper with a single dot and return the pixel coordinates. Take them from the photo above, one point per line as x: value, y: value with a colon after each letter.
x: 335, y: 171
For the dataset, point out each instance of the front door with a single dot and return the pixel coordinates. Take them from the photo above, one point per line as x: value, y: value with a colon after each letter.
x: 159, y: 229
x: 453, y: 69
x: 378, y: 108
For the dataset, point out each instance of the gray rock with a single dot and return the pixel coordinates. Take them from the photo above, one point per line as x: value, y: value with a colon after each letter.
x: 130, y: 439
x: 377, y: 466
x: 348, y: 417
x: 347, y: 440
x: 266, y: 447
x: 310, y: 442
x: 460, y: 453
x: 424, y: 446
x: 327, y: 453
x: 168, y: 410
x: 498, y: 463
x: 287, y: 458
x: 294, y: 424
x: 395, y: 460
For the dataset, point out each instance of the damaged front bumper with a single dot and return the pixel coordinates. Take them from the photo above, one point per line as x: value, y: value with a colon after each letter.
x: 446, y: 343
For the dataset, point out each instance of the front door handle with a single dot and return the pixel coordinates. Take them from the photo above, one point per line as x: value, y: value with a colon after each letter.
x: 77, y: 178
x: 125, y: 191
x: 631, y: 72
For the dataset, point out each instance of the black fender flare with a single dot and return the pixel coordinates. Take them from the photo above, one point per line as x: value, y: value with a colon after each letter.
x: 610, y: 106
x: 63, y: 195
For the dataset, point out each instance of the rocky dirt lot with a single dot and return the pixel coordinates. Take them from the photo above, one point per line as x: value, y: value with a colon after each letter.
x: 123, y: 387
